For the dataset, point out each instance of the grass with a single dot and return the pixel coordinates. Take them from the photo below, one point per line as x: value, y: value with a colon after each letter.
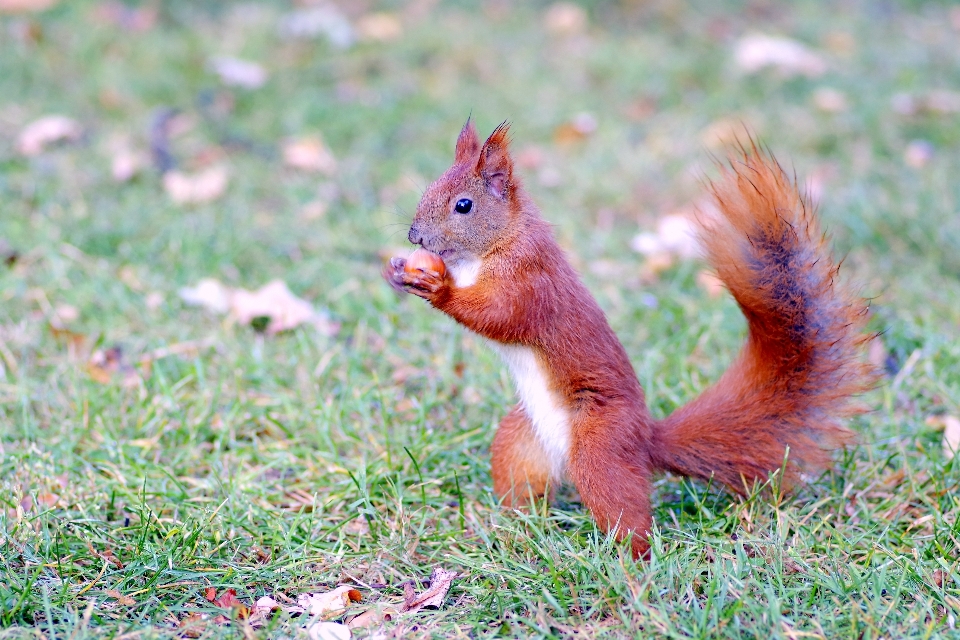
x: 297, y: 462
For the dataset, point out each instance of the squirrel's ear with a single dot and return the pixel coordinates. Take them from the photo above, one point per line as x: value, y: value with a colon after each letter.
x: 467, y: 143
x: 495, y: 165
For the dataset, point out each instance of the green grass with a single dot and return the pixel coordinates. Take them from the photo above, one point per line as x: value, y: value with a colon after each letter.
x: 298, y: 462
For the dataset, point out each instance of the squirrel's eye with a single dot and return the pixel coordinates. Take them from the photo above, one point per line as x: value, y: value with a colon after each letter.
x: 463, y: 205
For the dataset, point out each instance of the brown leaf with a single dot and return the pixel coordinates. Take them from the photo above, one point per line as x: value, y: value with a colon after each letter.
x: 372, y: 617
x: 210, y: 593
x: 191, y: 626
x: 203, y: 186
x: 440, y: 581
x: 105, y: 364
x: 309, y: 154
x: 318, y: 604
x: 276, y: 302
x: 789, y: 57
x: 565, y: 18
x: 47, y: 499
x: 39, y: 134
x: 119, y: 597
x: 228, y: 600
x: 579, y: 128
x: 25, y: 6
x: 107, y: 554
x: 380, y: 26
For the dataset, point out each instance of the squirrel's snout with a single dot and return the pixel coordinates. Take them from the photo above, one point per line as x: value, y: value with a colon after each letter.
x: 414, y: 236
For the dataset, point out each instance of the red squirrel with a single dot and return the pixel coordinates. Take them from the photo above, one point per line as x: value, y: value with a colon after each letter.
x: 581, y: 413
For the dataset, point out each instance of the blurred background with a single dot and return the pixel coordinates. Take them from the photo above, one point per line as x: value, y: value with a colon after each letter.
x: 196, y: 198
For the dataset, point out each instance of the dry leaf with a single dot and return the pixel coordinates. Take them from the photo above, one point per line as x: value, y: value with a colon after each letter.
x: 195, y: 188
x: 119, y: 597
x: 105, y: 364
x: 47, y: 499
x: 127, y: 163
x: 309, y: 154
x: 789, y: 57
x: 275, y: 301
x: 372, y: 617
x: 951, y: 436
x: 37, y: 135
x: 830, y: 100
x: 210, y: 294
x: 328, y: 631
x: 319, y: 604
x: 227, y: 600
x: 324, y: 20
x: 676, y: 235
x: 580, y: 127
x: 565, y: 18
x: 24, y: 6
x: 235, y: 72
x: 380, y: 26
x: 440, y: 581
x: 918, y: 153
x: 191, y: 626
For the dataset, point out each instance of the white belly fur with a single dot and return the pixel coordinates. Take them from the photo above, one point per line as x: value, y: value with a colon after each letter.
x: 465, y: 272
x: 550, y: 419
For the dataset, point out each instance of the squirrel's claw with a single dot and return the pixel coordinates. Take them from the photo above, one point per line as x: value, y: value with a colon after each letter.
x: 420, y: 282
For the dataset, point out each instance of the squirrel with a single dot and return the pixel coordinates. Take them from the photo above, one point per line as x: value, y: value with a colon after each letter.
x: 581, y: 414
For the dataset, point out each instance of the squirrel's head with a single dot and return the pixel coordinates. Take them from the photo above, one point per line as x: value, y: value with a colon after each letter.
x: 472, y: 207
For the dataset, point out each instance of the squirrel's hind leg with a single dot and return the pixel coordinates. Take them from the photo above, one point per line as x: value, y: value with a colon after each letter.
x: 611, y: 470
x: 520, y: 467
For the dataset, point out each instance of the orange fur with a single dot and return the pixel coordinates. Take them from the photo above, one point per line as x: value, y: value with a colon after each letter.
x: 580, y: 398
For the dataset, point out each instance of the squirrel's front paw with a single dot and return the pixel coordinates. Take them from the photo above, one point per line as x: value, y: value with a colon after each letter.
x: 420, y: 282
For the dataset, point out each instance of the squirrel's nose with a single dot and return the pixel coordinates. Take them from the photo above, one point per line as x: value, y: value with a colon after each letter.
x: 415, y: 237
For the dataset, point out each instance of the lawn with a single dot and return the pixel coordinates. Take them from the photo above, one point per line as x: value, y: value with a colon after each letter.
x: 209, y: 454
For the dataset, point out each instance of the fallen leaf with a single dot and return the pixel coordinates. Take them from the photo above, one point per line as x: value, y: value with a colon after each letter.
x: 940, y: 577
x: 579, y: 128
x: 47, y: 499
x: 196, y: 188
x: 756, y: 52
x: 25, y: 6
x: 105, y: 364
x: 235, y: 72
x: 210, y: 594
x: 440, y: 581
x: 324, y: 20
x: 227, y: 600
x: 107, y: 554
x: 565, y: 18
x: 372, y: 617
x: 951, y: 436
x: 379, y: 26
x: 126, y: 163
x: 918, y: 153
x: 328, y: 631
x: 830, y: 100
x: 192, y: 625
x: 39, y: 134
x: 119, y: 597
x: 676, y: 234
x: 318, y: 604
x: 309, y: 154
x: 210, y: 294
x: 276, y: 302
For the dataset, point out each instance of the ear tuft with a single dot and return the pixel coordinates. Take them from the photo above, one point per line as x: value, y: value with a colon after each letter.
x: 467, y: 143
x: 495, y: 165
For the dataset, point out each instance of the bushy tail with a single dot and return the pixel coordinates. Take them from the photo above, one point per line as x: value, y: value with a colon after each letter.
x: 802, y: 363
